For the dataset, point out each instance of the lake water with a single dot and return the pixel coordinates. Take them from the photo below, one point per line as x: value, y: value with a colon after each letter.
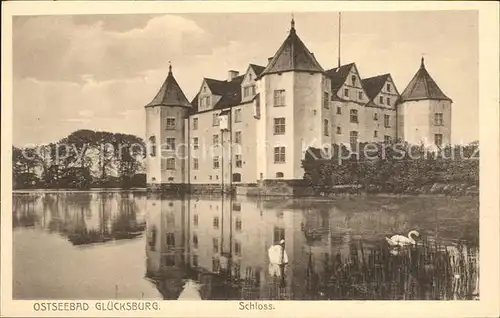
x: 135, y: 245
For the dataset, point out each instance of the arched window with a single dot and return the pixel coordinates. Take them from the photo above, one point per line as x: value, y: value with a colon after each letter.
x: 279, y: 175
x: 152, y: 142
x: 353, y: 79
x: 236, y: 177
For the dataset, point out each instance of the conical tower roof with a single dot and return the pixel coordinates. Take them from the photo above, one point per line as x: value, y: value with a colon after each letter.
x: 293, y: 55
x: 422, y: 86
x: 170, y: 93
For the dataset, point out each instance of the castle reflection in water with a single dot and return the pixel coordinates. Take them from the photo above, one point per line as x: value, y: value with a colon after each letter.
x: 335, y: 248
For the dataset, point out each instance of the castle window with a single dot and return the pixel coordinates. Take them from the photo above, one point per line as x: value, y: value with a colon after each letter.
x: 170, y: 239
x: 195, y: 143
x: 375, y: 116
x: 354, y: 116
x: 279, y: 175
x: 236, y: 206
x: 170, y: 163
x: 253, y: 90
x: 215, y: 119
x: 237, y: 137
x: 387, y: 139
x: 279, y: 97
x: 326, y: 100
x: 360, y: 95
x: 279, y: 126
x: 353, y: 137
x: 215, y: 140
x: 195, y: 123
x: 195, y: 220
x: 375, y: 134
x: 210, y: 177
x: 438, y: 139
x: 353, y: 79
x: 237, y: 248
x: 339, y: 110
x: 195, y: 260
x: 237, y: 115
x: 279, y: 155
x: 326, y: 127
x: 387, y: 121
x: 152, y: 141
x: 381, y: 99
x: 215, y: 243
x: 215, y: 265
x: 195, y: 240
x: 170, y: 178
x: 388, y: 100
x: 238, y: 161
x: 238, y: 224
x: 236, y: 177
x: 388, y: 86
x: 346, y: 92
x: 170, y: 123
x: 170, y: 143
x: 279, y: 234
x: 215, y: 222
x: 339, y: 130
x: 438, y: 119
x: 246, y: 91
x: 195, y: 164
x: 216, y: 162
x: 169, y: 260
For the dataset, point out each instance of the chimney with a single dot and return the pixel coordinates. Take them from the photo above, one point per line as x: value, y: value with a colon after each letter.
x: 269, y: 59
x: 231, y: 75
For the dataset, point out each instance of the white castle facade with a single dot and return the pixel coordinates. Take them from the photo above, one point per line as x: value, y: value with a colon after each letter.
x: 257, y: 125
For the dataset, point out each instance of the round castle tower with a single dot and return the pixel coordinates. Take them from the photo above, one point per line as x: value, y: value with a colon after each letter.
x: 424, y: 112
x: 166, y: 146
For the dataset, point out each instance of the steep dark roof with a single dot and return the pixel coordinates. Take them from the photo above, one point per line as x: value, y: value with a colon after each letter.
x: 257, y: 69
x: 338, y: 76
x: 422, y: 86
x: 230, y: 92
x: 373, y: 85
x: 170, y: 93
x: 293, y: 55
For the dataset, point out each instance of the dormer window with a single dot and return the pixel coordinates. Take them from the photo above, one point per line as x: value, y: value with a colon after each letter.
x: 249, y: 76
x: 388, y: 87
x: 381, y: 99
x: 353, y: 79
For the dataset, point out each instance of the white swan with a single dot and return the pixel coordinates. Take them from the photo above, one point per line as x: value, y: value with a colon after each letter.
x: 191, y: 291
x: 400, y: 240
x: 277, y: 258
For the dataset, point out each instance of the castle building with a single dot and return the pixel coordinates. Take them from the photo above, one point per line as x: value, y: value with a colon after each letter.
x: 257, y: 126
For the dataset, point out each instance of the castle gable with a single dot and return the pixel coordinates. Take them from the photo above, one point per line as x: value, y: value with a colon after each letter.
x: 346, y: 84
x: 216, y: 94
x: 381, y: 91
x: 248, y: 85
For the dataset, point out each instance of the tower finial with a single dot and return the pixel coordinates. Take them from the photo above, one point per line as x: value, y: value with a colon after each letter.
x: 292, y: 24
x: 170, y: 67
x: 422, y: 62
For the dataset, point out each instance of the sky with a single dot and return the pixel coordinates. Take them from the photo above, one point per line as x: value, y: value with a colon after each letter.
x: 98, y: 71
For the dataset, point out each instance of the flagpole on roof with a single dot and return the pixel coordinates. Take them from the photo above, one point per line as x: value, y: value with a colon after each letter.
x: 340, y: 27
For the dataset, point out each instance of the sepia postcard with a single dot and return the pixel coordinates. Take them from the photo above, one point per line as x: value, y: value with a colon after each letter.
x: 247, y: 159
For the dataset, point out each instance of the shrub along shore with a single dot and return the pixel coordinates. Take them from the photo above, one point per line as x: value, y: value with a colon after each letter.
x: 393, y: 169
